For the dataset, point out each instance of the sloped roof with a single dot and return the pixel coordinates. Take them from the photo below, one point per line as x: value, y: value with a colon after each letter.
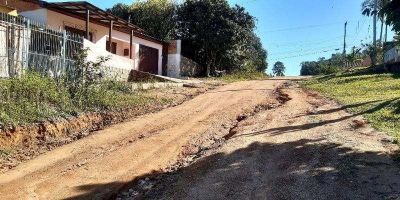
x: 78, y: 9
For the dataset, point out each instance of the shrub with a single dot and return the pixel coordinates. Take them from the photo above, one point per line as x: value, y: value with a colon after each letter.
x: 32, y: 97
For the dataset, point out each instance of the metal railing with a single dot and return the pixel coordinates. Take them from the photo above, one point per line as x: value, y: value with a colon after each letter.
x: 30, y: 46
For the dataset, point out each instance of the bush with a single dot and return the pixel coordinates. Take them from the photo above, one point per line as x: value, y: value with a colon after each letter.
x: 33, y: 97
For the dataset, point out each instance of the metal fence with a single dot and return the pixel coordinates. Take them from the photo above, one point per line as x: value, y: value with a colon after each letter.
x: 30, y: 46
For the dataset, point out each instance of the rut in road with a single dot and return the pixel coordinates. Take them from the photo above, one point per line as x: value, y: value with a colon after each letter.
x: 97, y: 166
x: 308, y: 148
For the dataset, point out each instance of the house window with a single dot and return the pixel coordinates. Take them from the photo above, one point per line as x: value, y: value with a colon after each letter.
x: 79, y: 32
x: 126, y: 52
x: 113, y: 47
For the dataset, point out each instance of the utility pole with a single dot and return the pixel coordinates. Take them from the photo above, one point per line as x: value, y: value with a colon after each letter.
x: 344, y: 43
x: 375, y: 20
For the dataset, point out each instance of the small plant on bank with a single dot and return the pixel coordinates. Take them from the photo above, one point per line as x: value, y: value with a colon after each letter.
x: 35, y: 97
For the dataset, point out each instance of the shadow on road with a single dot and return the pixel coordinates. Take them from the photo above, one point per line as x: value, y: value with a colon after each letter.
x: 304, y: 169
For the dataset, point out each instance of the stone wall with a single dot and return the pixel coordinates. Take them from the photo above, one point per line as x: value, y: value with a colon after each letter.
x: 190, y: 68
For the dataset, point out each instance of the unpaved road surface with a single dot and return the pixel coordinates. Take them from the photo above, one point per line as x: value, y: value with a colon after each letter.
x: 99, y: 165
x: 306, y: 148
x: 246, y: 140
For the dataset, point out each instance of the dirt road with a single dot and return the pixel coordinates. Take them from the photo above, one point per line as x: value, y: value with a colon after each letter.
x: 307, y: 148
x: 97, y: 166
x: 245, y: 140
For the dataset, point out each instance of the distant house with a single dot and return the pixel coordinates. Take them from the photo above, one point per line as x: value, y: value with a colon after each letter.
x: 128, y: 46
x: 392, y: 55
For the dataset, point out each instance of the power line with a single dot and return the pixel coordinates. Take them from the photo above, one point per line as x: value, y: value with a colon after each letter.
x: 359, y: 29
x: 308, y: 42
x: 306, y: 54
x: 302, y: 27
x: 312, y: 53
x: 303, y: 50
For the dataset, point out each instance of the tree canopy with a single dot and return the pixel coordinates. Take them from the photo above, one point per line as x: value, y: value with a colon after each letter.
x: 279, y: 69
x: 220, y: 37
x: 391, y: 10
x: 154, y: 16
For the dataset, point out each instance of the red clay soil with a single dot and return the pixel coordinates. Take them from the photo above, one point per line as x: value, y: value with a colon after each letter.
x: 99, y: 165
x: 306, y: 148
x: 25, y: 142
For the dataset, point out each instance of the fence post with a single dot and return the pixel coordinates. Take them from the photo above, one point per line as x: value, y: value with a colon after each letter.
x: 26, y: 39
x: 63, y: 50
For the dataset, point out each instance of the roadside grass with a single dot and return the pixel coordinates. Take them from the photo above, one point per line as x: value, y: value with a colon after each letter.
x: 243, y: 76
x: 34, y: 98
x: 375, y: 96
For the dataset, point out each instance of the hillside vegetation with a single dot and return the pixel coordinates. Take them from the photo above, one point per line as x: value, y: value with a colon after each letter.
x: 34, y: 98
x: 375, y: 96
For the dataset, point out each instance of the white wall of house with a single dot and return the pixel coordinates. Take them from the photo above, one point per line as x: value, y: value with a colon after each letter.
x: 100, y: 33
x: 116, y: 68
x: 38, y: 15
x: 174, y: 61
x: 393, y: 55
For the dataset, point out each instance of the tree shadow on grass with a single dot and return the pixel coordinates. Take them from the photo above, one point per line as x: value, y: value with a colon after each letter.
x: 367, y: 71
x: 303, y: 169
x: 287, y: 129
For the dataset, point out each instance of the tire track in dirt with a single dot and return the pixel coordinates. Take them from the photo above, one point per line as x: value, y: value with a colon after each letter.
x: 97, y: 166
x: 306, y: 148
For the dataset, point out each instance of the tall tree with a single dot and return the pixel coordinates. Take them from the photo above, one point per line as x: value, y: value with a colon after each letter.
x: 157, y: 17
x: 368, y: 9
x: 221, y: 36
x: 214, y: 34
x: 279, y: 69
x: 392, y: 13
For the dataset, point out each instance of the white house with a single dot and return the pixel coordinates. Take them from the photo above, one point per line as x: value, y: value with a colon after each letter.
x: 393, y: 55
x: 128, y: 46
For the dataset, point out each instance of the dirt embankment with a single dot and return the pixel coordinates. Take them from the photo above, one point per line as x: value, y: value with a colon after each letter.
x: 304, y: 147
x: 21, y: 143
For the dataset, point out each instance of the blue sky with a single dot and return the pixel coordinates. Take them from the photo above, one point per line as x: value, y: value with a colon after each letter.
x: 293, y: 31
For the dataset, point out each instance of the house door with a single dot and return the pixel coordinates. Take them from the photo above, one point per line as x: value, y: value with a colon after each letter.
x: 113, y: 47
x: 148, y: 59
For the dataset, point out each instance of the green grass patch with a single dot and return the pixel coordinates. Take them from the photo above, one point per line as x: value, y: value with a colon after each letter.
x: 5, y: 152
x: 375, y: 96
x: 243, y: 76
x: 34, y: 98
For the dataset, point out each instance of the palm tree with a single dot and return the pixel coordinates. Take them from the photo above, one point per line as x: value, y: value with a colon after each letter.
x: 368, y: 9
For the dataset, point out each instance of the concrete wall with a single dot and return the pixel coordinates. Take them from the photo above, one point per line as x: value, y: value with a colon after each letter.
x: 116, y: 67
x: 38, y: 15
x: 174, y: 59
x: 393, y: 55
x: 179, y: 66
